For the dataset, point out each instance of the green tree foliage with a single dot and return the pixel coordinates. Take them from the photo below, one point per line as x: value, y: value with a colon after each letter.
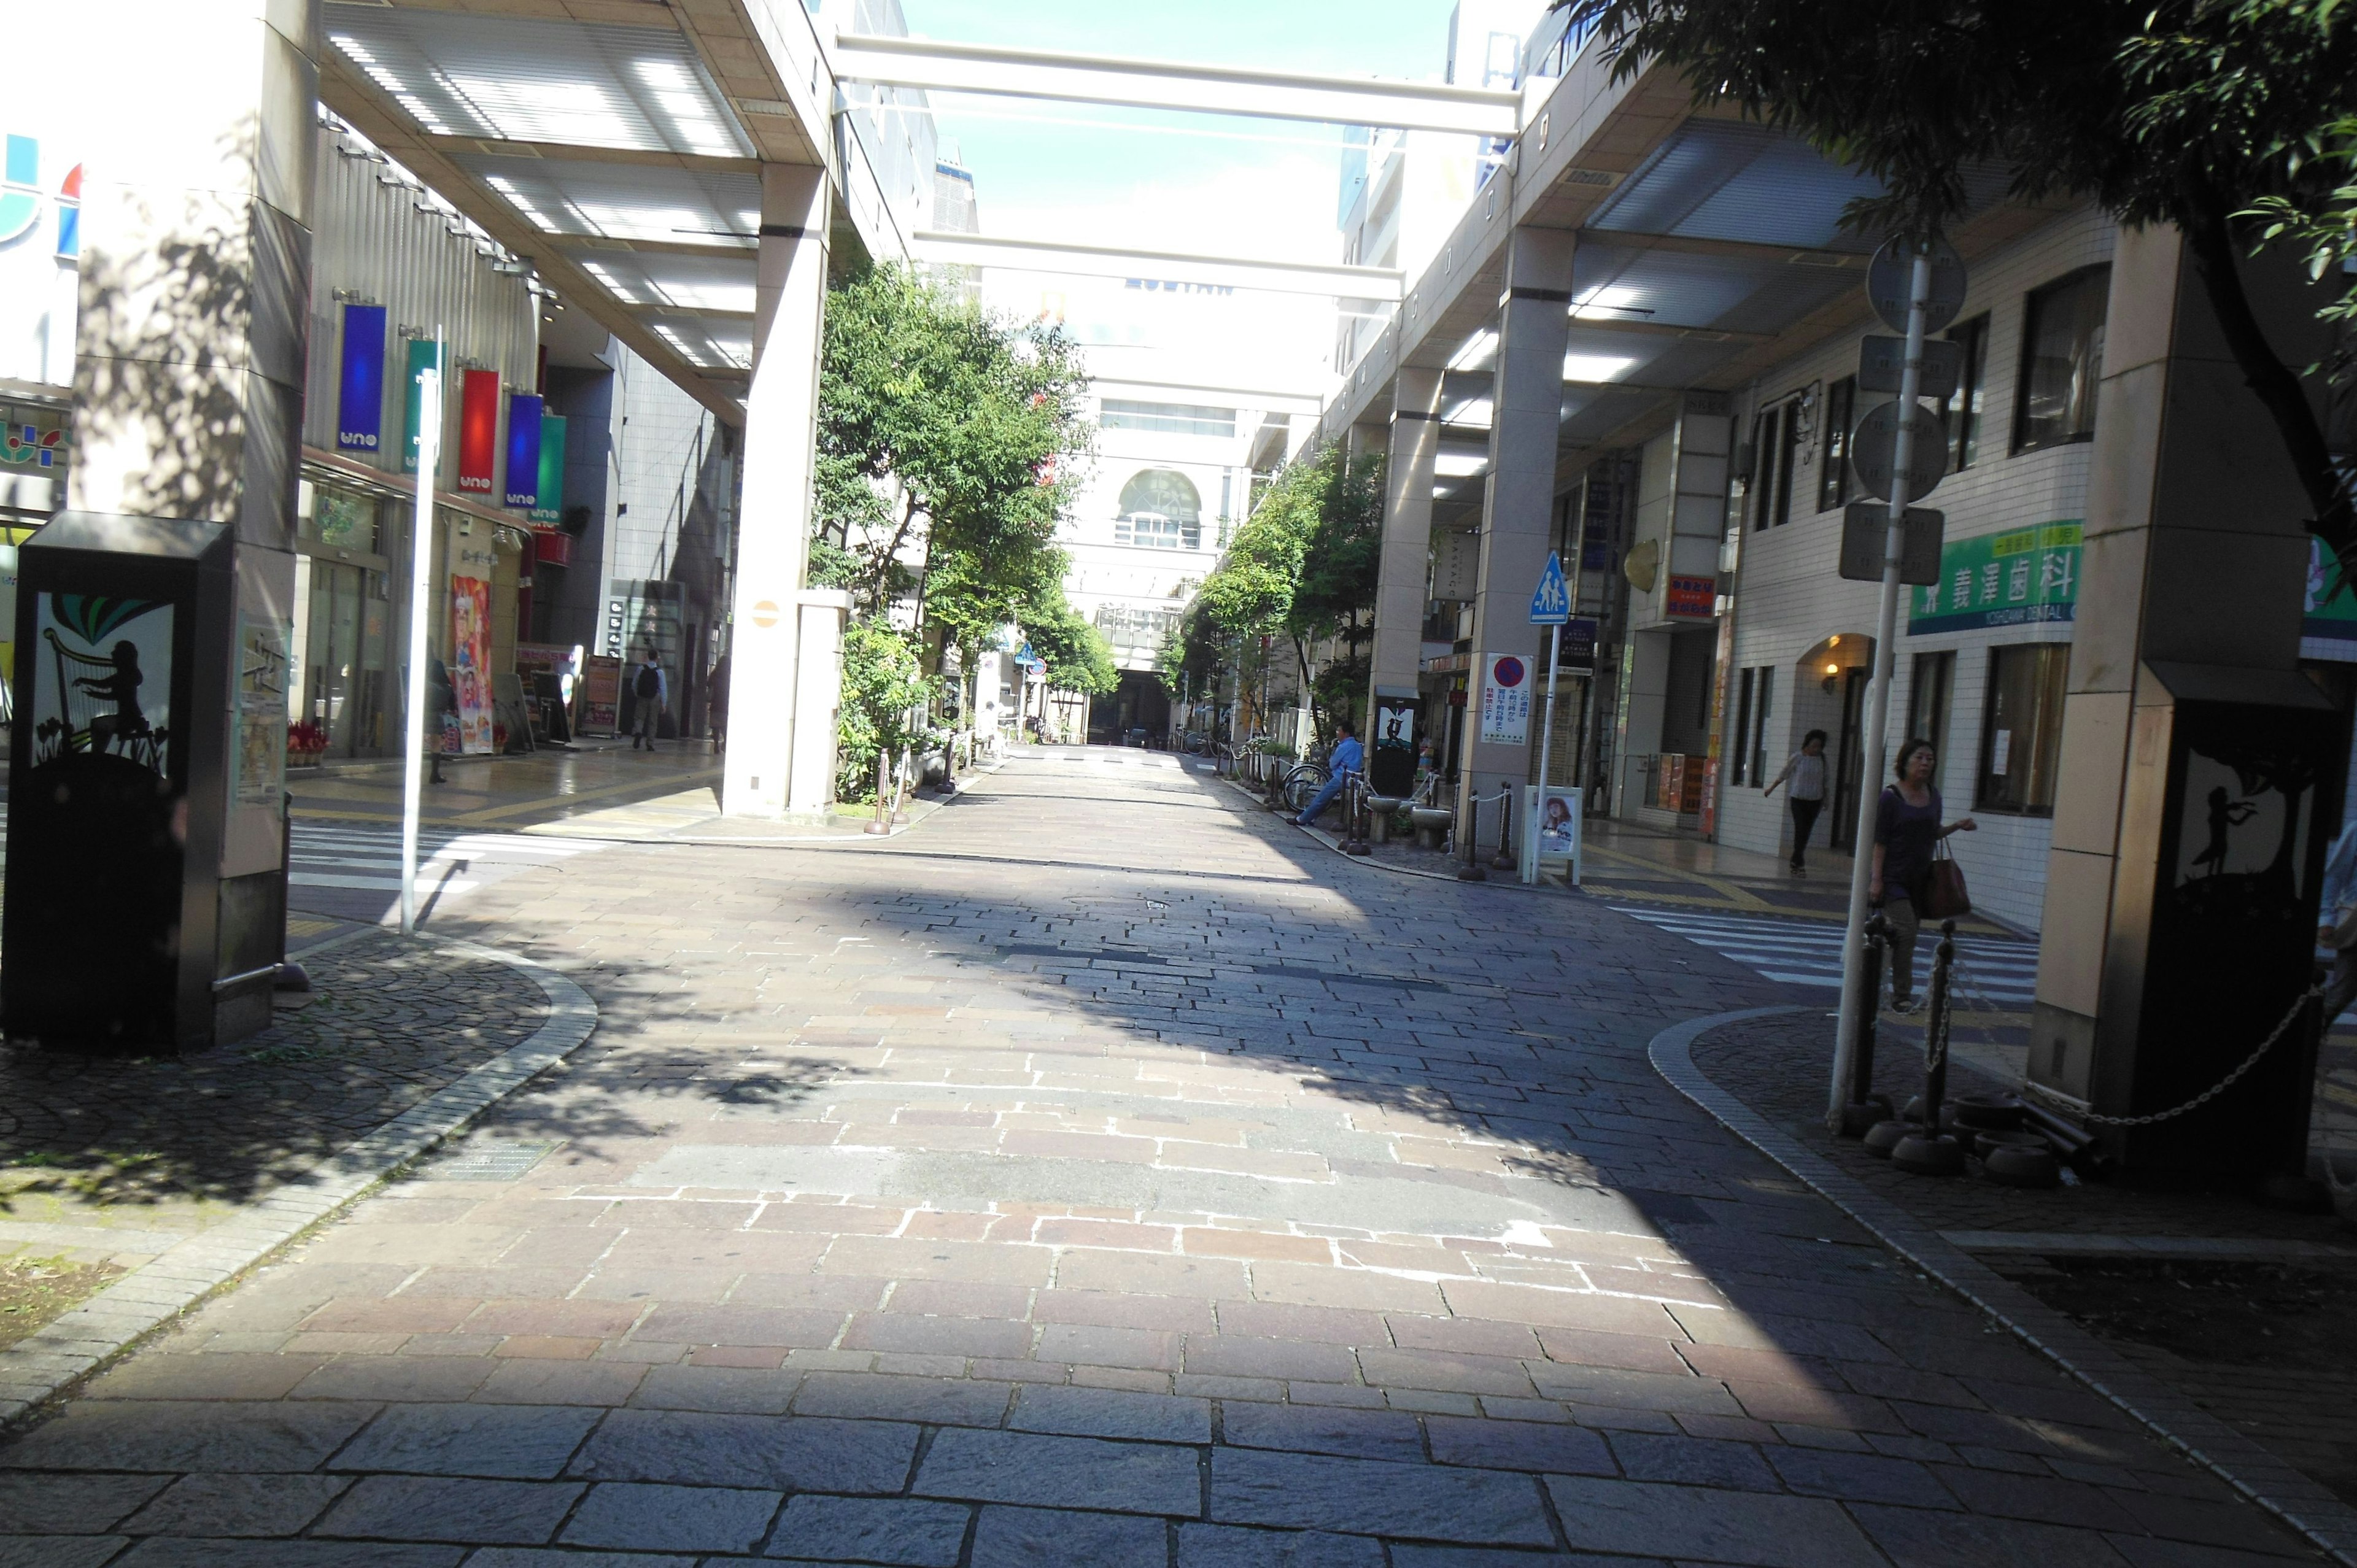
x: 884, y: 696
x: 2183, y: 111
x: 946, y: 427
x: 1078, y: 656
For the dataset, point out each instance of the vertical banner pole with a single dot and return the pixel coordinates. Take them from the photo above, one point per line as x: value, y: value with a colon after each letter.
x: 421, y: 553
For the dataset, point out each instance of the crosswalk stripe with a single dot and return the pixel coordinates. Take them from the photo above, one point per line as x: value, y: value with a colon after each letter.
x: 1799, y: 953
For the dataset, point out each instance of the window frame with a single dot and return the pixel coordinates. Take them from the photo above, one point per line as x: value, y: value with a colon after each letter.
x: 1760, y: 725
x: 1940, y: 666
x: 1742, y: 756
x: 1837, y: 412
x: 1771, y: 495
x: 2033, y: 303
x: 2042, y: 756
x: 1965, y: 409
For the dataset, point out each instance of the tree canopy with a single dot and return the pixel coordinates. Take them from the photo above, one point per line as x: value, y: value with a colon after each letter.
x: 2193, y: 113
x: 1078, y: 658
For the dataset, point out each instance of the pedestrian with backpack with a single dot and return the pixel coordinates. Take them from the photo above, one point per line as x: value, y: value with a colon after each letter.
x: 652, y: 695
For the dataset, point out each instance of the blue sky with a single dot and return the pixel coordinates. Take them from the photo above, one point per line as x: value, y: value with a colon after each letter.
x: 1152, y: 179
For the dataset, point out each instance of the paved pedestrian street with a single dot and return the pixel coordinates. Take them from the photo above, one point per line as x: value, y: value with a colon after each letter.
x: 1101, y: 1174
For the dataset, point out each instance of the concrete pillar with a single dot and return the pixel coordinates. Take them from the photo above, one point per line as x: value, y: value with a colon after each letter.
x: 2150, y: 985
x: 1407, y: 533
x: 1518, y: 503
x: 188, y: 393
x: 769, y: 634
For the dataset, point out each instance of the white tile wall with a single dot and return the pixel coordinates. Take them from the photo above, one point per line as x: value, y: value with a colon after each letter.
x: 653, y: 457
x: 1792, y: 598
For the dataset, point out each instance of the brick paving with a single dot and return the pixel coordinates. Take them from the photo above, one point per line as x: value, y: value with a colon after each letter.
x: 1103, y: 1174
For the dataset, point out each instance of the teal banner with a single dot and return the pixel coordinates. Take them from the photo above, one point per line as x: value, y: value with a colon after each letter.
x: 2023, y: 577
x: 549, y: 507
x: 422, y: 353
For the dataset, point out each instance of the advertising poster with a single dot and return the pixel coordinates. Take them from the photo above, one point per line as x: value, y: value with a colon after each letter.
x: 548, y: 502
x: 2018, y: 578
x: 601, y: 694
x: 478, y: 430
x: 261, y: 645
x: 523, y: 452
x: 1558, y: 833
x: 359, y: 390
x: 470, y: 667
x: 423, y: 357
x: 1505, y: 701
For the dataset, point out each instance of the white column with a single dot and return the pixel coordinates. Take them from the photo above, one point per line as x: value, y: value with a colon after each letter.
x: 1408, y: 533
x: 774, y: 528
x: 1518, y: 500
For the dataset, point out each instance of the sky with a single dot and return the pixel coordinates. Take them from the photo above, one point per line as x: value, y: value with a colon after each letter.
x: 1168, y: 181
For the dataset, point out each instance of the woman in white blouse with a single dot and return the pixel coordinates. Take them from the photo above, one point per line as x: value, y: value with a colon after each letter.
x: 1806, y: 771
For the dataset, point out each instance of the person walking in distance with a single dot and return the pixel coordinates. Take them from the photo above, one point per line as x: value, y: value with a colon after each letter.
x: 1907, y: 826
x: 1806, y: 768
x: 653, y: 699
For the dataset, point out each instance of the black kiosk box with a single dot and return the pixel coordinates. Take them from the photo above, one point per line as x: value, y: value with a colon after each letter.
x: 124, y: 676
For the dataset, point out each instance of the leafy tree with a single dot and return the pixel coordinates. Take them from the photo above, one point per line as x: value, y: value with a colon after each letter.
x: 884, y: 696
x: 1078, y: 658
x: 2181, y: 112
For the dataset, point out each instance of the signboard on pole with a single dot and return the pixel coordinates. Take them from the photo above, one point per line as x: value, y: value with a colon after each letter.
x: 1889, y: 284
x: 478, y: 430
x: 523, y: 452
x: 1874, y: 450
x: 425, y: 356
x: 1866, y: 530
x: 1505, y: 699
x: 1551, y: 600
x: 548, y: 502
x: 360, y: 390
x: 1881, y: 362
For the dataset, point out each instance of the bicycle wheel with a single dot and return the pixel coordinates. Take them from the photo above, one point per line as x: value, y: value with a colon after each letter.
x: 1301, y: 784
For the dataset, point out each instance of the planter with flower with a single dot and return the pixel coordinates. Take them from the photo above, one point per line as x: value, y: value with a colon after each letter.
x: 306, y: 742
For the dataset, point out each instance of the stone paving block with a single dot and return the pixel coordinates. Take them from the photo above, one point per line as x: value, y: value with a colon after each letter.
x: 208, y: 1377
x: 1101, y: 1346
x: 959, y: 1336
x: 1228, y: 1356
x: 1233, y: 1546
x: 569, y: 1382
x: 1632, y: 1390
x: 236, y: 1505
x: 735, y: 1325
x: 1111, y: 1412
x: 402, y: 1379
x: 638, y: 1517
x: 166, y: 1551
x: 543, y: 1557
x: 1859, y: 1477
x: 1376, y: 1498
x: 1055, y: 1538
x: 32, y: 1503
x: 122, y: 1435
x: 1698, y: 1461
x: 960, y: 1402
x: 1445, y: 1369
x: 1310, y: 1429
x: 490, y: 1441
x: 2046, y: 1498
x: 1749, y: 1527
x: 958, y: 1298
x: 57, y: 1552
x: 1145, y: 1273
x: 1518, y: 1446
x: 739, y: 1389
x: 904, y: 1533
x: 802, y: 1454
x: 420, y: 1507
x: 1919, y: 1537
x: 1063, y: 1472
x: 1464, y: 1336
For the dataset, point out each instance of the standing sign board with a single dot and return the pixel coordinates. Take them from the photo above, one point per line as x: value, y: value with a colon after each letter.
x: 471, y: 561
x: 601, y: 694
x: 1505, y: 701
x: 1551, y: 835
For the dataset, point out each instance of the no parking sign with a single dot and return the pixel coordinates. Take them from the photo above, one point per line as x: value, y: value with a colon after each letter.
x: 1505, y: 701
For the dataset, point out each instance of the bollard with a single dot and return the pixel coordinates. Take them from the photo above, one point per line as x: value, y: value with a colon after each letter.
x: 1354, y: 817
x: 1504, y: 859
x: 1470, y: 869
x: 1927, y: 1151
x: 1866, y: 1108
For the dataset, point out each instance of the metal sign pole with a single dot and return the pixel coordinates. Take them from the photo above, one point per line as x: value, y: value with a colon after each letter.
x: 1886, y: 627
x: 421, y: 553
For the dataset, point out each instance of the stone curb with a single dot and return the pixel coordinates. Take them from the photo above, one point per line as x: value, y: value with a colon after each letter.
x: 2242, y: 1464
x: 53, y: 1358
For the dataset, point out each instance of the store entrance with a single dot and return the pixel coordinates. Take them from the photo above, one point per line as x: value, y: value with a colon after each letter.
x: 343, y: 676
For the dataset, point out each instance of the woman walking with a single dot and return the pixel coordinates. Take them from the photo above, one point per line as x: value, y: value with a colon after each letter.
x: 1806, y: 769
x: 1907, y: 826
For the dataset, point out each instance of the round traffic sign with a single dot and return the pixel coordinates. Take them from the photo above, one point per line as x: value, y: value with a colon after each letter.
x: 1874, y: 450
x: 1509, y: 671
x: 1890, y: 283
x: 765, y: 613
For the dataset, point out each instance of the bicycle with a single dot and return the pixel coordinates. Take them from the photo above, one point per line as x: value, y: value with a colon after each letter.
x: 1302, y: 780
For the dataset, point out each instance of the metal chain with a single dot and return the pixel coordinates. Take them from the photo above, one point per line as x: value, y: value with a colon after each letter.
x: 2207, y: 1095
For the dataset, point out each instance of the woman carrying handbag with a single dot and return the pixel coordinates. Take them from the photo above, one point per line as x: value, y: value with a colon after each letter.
x: 1907, y: 835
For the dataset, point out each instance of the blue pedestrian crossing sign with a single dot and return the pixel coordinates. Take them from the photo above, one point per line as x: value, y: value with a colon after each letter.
x: 1551, y: 605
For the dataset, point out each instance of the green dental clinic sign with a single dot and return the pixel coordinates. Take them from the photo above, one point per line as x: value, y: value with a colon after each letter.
x: 2023, y: 578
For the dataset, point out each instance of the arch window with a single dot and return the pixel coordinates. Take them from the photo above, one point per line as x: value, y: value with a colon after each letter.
x: 1160, y: 510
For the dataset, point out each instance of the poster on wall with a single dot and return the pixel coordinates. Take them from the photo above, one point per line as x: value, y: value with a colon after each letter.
x: 1505, y: 701
x: 471, y: 666
x: 261, y: 761
x: 103, y: 684
x: 2021, y: 577
x: 601, y: 694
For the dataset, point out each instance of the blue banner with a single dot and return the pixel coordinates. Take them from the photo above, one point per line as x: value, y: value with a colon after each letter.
x: 524, y: 451
x: 359, y: 400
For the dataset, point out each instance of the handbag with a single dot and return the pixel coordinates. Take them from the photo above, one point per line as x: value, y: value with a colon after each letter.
x: 1945, y: 896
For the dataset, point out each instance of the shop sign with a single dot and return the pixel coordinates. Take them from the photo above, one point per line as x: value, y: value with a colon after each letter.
x: 34, y: 446
x: 548, y: 502
x: 360, y: 393
x: 1505, y: 701
x: 479, y: 432
x: 601, y: 692
x: 423, y: 356
x: 551, y: 547
x: 1692, y: 598
x: 2023, y: 578
x: 523, y: 452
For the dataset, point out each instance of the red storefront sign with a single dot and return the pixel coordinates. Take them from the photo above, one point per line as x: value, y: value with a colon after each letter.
x: 554, y: 549
x: 1691, y: 597
x: 478, y: 430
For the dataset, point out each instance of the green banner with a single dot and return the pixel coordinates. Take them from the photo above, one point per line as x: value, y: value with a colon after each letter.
x: 548, y: 507
x: 422, y: 352
x: 2018, y: 578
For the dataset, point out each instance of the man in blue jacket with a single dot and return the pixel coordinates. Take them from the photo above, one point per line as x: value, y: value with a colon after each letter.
x: 1348, y: 757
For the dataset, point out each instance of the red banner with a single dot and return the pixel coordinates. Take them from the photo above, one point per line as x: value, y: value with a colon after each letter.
x: 478, y: 430
x: 555, y: 549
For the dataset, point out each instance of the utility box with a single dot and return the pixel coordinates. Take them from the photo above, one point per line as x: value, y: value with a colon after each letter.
x: 1391, y: 749
x: 119, y: 764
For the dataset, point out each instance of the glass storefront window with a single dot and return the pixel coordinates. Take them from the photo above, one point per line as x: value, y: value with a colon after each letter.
x: 2021, y: 733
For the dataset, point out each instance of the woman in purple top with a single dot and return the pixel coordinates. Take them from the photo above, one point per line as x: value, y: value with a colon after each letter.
x: 1906, y: 827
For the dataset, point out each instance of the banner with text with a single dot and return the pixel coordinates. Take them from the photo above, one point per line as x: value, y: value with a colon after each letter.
x: 2023, y: 577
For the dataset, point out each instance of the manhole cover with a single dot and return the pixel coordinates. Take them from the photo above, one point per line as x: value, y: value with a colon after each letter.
x: 486, y: 1161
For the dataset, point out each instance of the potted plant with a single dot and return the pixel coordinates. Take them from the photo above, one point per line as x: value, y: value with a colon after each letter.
x: 306, y: 742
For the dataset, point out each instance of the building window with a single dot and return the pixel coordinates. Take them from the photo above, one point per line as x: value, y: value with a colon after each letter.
x: 1927, y: 699
x: 1166, y: 418
x: 1160, y: 510
x: 1775, y: 435
x: 1963, y: 409
x: 1135, y: 631
x: 1751, y: 725
x: 1833, y: 473
x: 2062, y: 361
x: 2021, y: 736
x: 1742, y: 748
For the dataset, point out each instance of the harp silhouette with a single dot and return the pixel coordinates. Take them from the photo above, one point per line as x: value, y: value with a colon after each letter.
x: 99, y: 700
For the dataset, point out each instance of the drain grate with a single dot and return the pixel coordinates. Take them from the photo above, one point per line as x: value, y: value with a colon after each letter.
x: 486, y: 1160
